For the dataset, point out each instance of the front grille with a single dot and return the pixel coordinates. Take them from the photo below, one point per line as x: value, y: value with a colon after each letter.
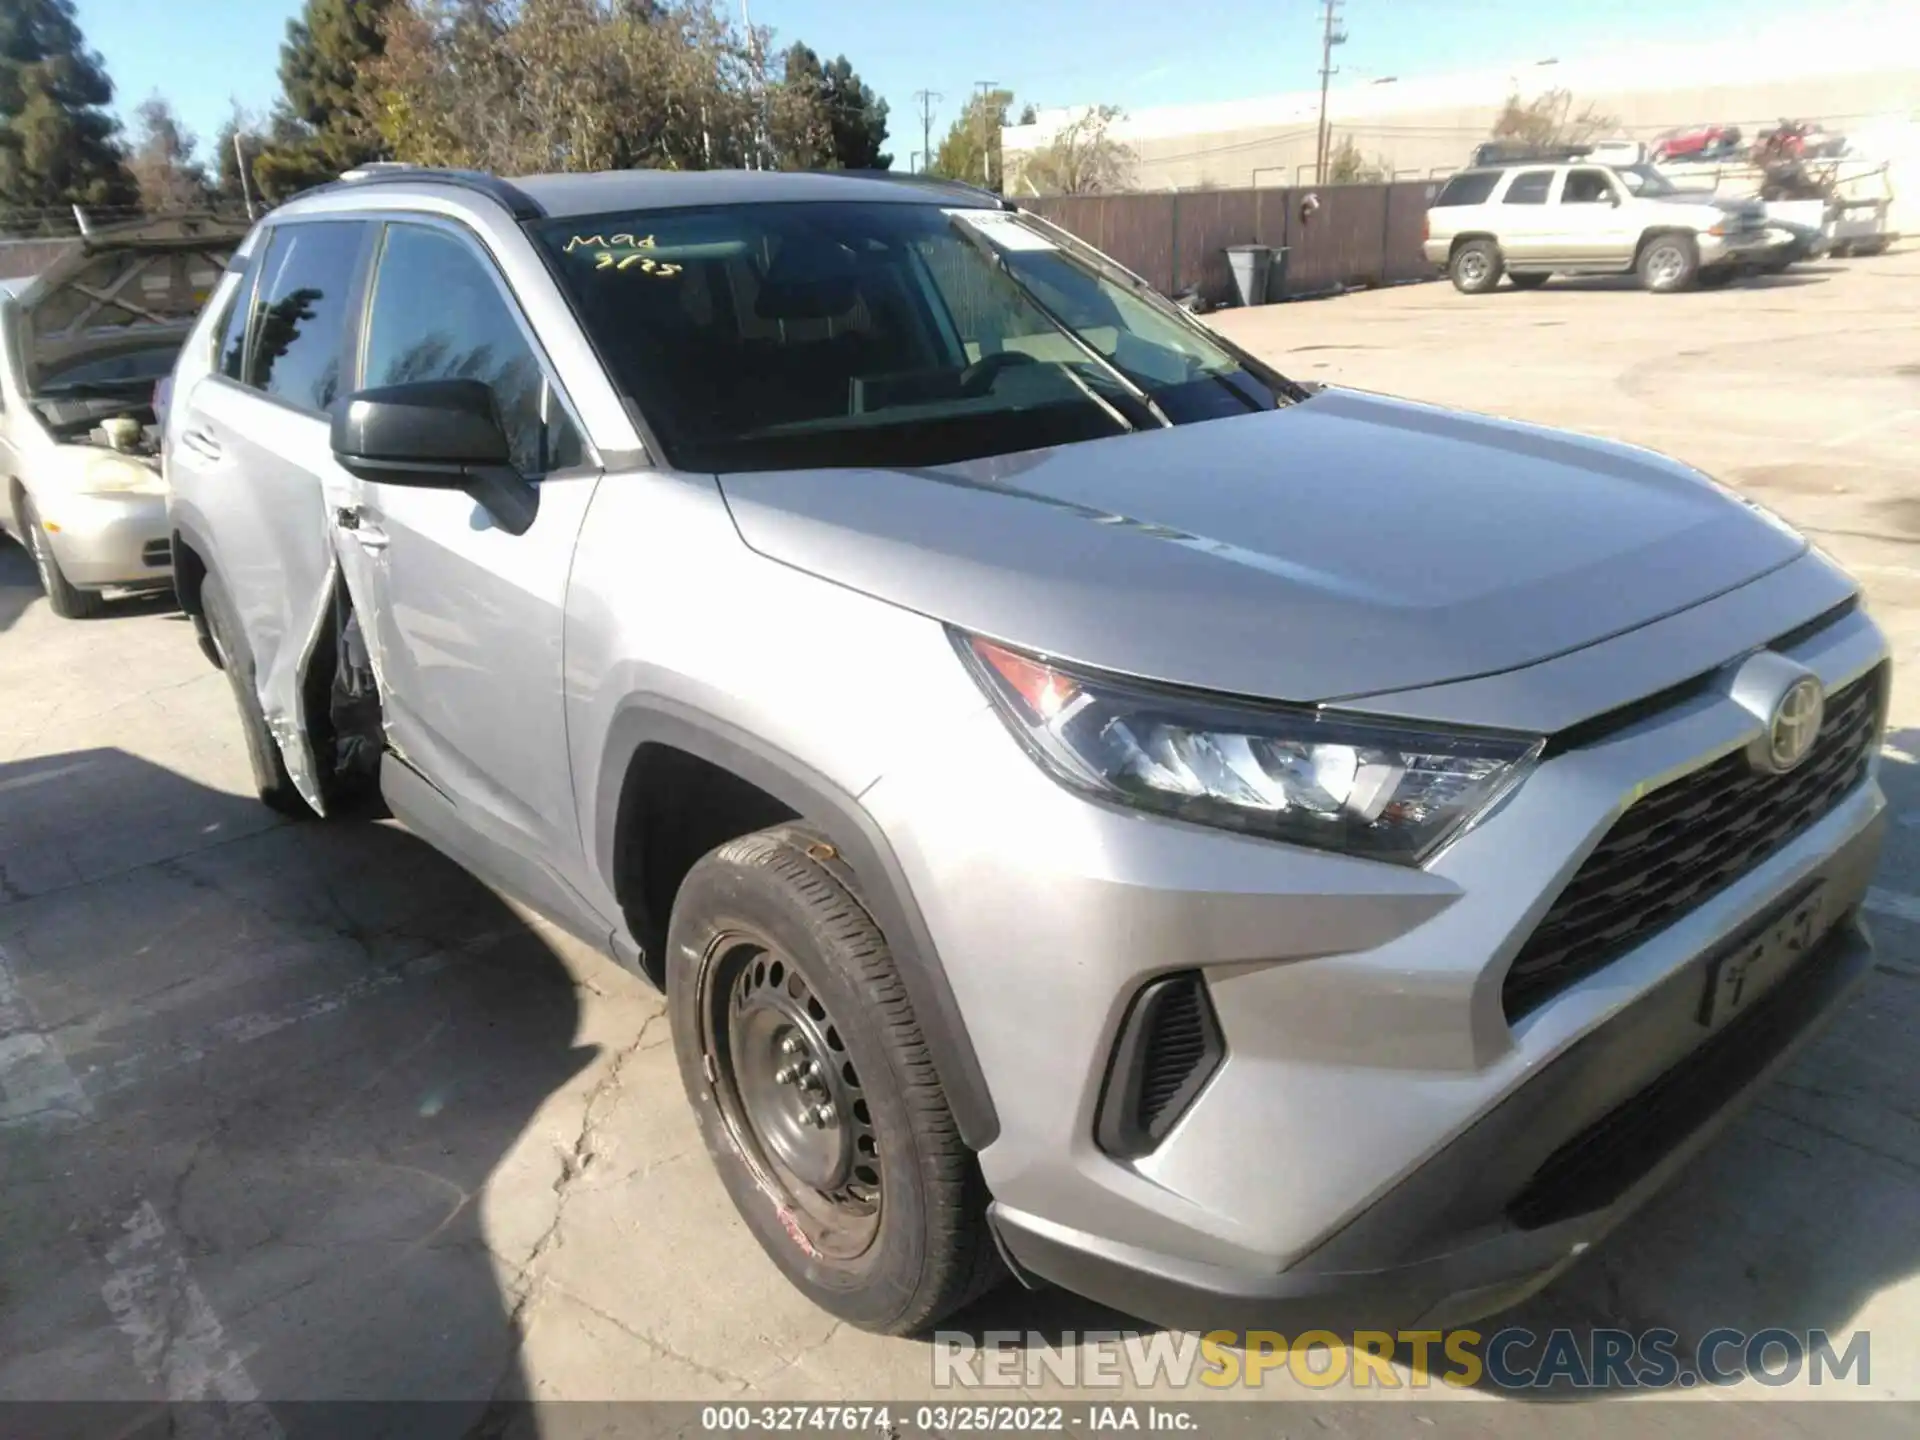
x: 1169, y: 1046
x: 1607, y: 1158
x: 1688, y: 841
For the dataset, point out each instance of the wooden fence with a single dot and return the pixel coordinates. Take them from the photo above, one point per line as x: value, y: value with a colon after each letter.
x: 1176, y: 240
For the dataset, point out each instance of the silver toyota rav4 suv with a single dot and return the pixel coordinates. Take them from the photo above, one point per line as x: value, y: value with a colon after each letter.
x: 1248, y: 853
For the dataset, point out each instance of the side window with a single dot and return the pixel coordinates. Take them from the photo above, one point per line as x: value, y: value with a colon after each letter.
x: 1586, y: 187
x: 1471, y: 188
x: 1529, y: 187
x: 437, y: 314
x: 230, y: 342
x: 299, y: 310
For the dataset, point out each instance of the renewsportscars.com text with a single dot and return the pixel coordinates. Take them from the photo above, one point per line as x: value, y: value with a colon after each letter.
x: 1513, y: 1358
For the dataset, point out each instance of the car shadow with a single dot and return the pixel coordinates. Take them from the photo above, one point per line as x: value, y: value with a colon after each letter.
x: 1801, y: 1212
x: 251, y: 1098
x: 1610, y: 284
x: 19, y: 586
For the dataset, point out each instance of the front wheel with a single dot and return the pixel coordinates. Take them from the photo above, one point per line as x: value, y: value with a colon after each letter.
x: 1668, y: 263
x: 814, y: 1090
x: 1476, y: 267
x: 64, y: 598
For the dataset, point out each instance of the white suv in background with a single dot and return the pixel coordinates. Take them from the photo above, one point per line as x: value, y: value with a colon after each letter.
x: 1530, y: 221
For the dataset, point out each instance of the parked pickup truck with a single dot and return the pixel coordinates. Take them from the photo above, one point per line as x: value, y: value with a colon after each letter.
x: 1532, y: 221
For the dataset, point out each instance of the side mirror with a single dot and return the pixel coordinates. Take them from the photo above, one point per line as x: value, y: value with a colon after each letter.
x: 435, y: 435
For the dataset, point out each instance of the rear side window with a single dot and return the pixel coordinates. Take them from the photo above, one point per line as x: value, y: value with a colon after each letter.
x: 438, y: 314
x: 300, y: 312
x: 1471, y: 188
x: 1529, y: 187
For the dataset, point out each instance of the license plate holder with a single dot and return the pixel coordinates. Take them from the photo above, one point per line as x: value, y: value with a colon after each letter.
x: 1746, y: 965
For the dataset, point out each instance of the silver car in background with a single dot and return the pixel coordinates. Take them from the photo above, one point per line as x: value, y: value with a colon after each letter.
x: 1251, y: 854
x: 83, y: 345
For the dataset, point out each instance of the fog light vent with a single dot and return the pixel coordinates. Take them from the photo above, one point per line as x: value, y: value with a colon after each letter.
x: 1168, y: 1048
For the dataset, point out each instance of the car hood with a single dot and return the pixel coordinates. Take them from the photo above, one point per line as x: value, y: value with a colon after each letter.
x: 119, y: 289
x: 1344, y: 545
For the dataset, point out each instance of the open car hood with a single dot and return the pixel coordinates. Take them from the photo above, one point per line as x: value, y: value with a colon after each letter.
x: 121, y: 288
x: 1346, y: 545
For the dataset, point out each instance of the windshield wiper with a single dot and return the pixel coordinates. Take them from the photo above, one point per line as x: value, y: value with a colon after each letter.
x: 999, y: 261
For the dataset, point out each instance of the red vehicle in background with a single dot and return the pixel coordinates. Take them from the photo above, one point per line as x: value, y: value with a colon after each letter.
x: 1706, y: 142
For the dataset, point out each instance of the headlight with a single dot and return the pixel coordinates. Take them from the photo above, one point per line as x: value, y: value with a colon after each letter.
x: 1376, y: 788
x: 112, y: 474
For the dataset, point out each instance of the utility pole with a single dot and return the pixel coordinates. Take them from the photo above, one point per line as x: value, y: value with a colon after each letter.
x: 926, y: 99
x: 1329, y: 37
x: 985, y: 87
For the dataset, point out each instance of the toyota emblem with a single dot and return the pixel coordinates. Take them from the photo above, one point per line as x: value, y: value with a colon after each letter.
x: 1794, y: 724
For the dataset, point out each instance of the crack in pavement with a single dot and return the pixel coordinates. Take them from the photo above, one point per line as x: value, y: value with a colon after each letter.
x: 529, y: 1281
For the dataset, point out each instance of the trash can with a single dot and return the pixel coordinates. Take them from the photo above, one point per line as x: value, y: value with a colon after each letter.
x: 1250, y: 265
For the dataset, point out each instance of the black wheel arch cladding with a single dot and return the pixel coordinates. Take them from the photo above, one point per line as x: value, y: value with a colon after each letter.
x: 881, y: 883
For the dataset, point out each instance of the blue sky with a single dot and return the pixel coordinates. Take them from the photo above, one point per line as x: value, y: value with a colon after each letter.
x: 202, y: 54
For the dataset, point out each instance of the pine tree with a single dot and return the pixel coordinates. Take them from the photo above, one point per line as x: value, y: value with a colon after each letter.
x: 323, y: 127
x: 58, y: 144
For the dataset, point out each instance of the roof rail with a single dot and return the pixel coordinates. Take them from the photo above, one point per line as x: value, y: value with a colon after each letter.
x: 930, y: 182
x: 517, y: 202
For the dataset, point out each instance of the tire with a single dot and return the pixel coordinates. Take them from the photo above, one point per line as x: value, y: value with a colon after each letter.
x: 1841, y: 249
x: 1668, y: 263
x: 63, y: 598
x: 773, y: 961
x: 270, y: 777
x: 1527, y: 279
x: 1476, y: 267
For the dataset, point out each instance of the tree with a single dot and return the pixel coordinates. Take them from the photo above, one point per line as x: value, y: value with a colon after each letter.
x: 1548, y: 120
x: 1029, y: 115
x: 58, y: 144
x: 163, y: 163
x: 330, y: 50
x: 577, y: 85
x: 971, y: 149
x: 854, y: 117
x: 1347, y: 166
x: 1083, y: 158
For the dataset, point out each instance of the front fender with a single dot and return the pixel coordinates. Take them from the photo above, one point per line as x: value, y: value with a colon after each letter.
x: 853, y: 832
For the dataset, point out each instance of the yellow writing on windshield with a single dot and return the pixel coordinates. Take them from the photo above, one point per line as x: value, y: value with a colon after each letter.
x: 622, y: 240
x: 607, y: 260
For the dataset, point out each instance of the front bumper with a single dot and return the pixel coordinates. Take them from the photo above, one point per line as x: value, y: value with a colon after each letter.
x: 1718, y: 250
x: 1444, y: 1247
x: 1360, y: 1003
x: 118, y: 540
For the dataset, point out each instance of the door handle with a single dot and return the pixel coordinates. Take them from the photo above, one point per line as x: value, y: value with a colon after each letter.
x: 353, y: 519
x: 202, y: 443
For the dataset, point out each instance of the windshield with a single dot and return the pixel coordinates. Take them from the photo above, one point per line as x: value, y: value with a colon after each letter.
x: 781, y: 336
x: 137, y: 369
x: 1645, y: 180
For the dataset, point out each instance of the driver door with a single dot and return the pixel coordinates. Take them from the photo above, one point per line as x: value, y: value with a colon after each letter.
x: 464, y: 619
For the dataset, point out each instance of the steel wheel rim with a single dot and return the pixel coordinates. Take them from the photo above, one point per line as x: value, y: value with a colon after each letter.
x: 1473, y: 267
x: 791, y: 1098
x: 1666, y: 263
